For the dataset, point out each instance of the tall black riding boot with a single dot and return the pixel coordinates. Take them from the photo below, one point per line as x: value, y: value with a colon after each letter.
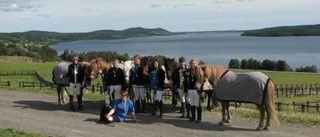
x: 103, y: 113
x: 143, y: 102
x: 161, y: 108
x: 199, y: 114
x: 188, y: 110
x: 193, y: 114
x: 183, y: 110
x: 156, y: 105
x: 71, y: 103
x: 79, y: 98
x: 137, y: 106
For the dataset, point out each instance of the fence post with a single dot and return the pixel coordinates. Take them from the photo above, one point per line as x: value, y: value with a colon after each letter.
x: 9, y: 83
x: 317, y: 107
x: 302, y: 89
x: 279, y: 106
x: 293, y: 106
x: 101, y: 90
x: 277, y: 89
x: 308, y: 106
x: 92, y: 88
x: 303, y: 108
x: 286, y: 90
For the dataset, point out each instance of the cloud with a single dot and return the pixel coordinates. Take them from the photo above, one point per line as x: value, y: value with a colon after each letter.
x: 156, y: 5
x: 228, y: 1
x: 17, y: 5
x: 44, y: 15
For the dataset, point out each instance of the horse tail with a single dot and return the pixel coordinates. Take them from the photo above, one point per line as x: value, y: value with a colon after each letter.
x: 270, y: 101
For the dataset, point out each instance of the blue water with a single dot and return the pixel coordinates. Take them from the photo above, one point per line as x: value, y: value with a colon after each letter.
x: 211, y: 47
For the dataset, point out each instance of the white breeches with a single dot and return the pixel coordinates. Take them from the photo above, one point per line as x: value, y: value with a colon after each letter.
x: 184, y: 96
x: 75, y: 89
x: 156, y: 95
x: 194, y: 97
x: 139, y: 92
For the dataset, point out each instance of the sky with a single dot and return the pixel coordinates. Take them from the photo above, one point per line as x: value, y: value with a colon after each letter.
x: 172, y: 15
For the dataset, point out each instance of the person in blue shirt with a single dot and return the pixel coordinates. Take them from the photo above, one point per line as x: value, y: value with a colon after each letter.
x: 121, y: 108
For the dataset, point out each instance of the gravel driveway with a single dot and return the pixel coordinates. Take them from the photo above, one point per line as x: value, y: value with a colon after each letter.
x: 41, y: 113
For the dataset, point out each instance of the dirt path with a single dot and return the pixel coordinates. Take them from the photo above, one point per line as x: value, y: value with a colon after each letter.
x: 41, y: 113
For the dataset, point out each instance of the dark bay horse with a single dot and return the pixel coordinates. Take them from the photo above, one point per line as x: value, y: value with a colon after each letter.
x: 253, y: 87
x: 170, y: 67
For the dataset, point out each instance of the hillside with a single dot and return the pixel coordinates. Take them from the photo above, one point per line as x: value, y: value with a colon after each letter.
x: 46, y: 38
x: 302, y: 30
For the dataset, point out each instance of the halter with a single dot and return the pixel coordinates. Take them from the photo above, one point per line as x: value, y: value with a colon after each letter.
x: 92, y: 75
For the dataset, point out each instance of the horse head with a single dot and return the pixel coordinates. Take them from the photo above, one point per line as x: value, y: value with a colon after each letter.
x: 98, y: 65
x: 87, y: 73
x: 200, y: 78
x: 127, y: 66
x: 146, y: 63
x: 170, y: 66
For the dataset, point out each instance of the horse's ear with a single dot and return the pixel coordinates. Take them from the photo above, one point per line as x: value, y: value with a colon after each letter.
x: 172, y: 59
x: 203, y: 68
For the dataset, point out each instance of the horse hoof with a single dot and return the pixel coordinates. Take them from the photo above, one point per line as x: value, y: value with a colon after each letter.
x: 228, y: 121
x: 258, y: 129
x: 266, y: 128
x: 221, y: 124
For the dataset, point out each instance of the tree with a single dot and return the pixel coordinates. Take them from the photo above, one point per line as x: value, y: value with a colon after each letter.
x: 268, y: 65
x: 244, y: 64
x: 282, y: 65
x: 234, y: 63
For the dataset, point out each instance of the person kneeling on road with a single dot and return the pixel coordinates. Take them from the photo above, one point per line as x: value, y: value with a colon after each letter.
x: 121, y: 108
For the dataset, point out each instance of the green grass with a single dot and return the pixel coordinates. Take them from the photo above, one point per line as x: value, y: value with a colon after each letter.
x: 10, y: 132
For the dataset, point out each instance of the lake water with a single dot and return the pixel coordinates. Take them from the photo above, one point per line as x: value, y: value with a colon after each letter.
x: 211, y: 47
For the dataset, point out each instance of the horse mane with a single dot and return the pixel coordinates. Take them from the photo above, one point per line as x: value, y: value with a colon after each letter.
x: 213, y: 73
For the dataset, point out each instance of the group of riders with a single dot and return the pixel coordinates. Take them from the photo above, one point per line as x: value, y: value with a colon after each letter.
x: 118, y: 105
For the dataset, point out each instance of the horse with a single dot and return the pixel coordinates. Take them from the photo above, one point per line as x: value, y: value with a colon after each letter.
x: 170, y: 66
x: 126, y: 67
x: 98, y: 65
x: 253, y: 87
x: 62, y: 68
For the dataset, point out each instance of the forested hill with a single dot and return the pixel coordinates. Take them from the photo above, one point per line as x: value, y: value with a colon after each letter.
x: 45, y: 38
x: 302, y: 30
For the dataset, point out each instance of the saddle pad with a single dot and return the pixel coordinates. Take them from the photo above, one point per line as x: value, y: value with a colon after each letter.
x: 247, y: 87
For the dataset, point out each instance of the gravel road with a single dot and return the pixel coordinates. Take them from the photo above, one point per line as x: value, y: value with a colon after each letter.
x: 41, y: 113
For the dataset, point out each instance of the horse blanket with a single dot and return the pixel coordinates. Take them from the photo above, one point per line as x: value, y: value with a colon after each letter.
x: 248, y: 87
x: 61, y: 68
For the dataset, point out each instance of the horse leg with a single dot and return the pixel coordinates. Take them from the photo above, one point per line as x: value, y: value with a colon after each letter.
x: 223, y: 119
x: 58, y: 92
x: 228, y: 112
x: 267, y: 126
x: 262, y: 113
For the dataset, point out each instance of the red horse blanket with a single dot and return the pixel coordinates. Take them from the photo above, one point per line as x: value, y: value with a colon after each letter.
x: 248, y: 87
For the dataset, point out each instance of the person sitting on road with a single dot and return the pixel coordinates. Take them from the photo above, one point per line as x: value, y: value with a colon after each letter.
x: 121, y: 108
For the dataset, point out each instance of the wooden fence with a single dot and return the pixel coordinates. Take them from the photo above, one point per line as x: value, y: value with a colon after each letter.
x: 5, y: 83
x: 17, y: 72
x: 292, y: 90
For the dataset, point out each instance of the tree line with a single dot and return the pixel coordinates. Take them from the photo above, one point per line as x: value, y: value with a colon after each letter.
x: 268, y: 64
x: 301, y: 30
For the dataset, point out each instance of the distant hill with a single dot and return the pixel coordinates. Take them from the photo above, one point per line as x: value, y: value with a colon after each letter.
x: 45, y: 37
x: 302, y: 30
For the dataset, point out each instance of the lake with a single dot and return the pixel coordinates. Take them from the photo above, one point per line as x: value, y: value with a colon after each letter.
x: 211, y: 47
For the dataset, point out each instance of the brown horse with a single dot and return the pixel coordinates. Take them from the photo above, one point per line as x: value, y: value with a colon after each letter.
x: 254, y: 87
x: 98, y: 65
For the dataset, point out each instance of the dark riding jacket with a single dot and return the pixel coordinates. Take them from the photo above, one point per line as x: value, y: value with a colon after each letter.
x: 115, y: 76
x: 75, y: 73
x: 137, y: 77
x: 191, y: 78
x: 177, y: 79
x: 157, y: 78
